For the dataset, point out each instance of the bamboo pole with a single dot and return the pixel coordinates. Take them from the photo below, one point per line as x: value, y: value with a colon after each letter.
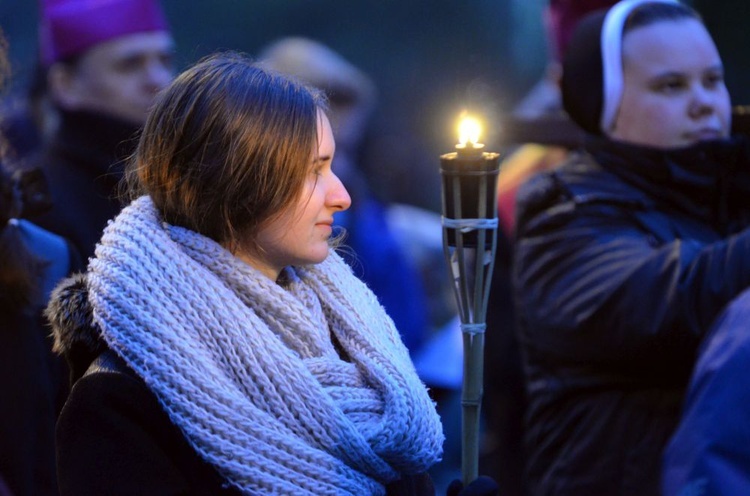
x: 471, y: 262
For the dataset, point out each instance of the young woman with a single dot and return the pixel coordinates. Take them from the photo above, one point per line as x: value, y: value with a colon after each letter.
x: 626, y: 253
x: 240, y: 354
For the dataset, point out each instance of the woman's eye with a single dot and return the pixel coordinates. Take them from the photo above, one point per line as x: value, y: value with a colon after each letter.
x: 714, y: 80
x: 669, y: 86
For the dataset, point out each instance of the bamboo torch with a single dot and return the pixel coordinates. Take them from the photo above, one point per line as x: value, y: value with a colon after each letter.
x: 469, y: 203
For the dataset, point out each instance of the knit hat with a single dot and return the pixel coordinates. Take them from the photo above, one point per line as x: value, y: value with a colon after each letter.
x: 592, y: 79
x: 70, y: 27
x: 345, y: 85
x: 320, y: 66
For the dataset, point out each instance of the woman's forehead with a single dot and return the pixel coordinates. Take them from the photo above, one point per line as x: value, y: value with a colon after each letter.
x: 670, y: 46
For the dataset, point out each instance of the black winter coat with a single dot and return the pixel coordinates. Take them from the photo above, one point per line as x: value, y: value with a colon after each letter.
x: 83, y: 164
x: 114, y: 437
x: 32, y: 385
x: 624, y: 256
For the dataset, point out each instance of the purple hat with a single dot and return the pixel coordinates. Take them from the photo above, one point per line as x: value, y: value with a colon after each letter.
x: 70, y: 27
x: 565, y: 14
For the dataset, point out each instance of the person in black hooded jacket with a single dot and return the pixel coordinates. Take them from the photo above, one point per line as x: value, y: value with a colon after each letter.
x: 101, y: 84
x: 626, y: 253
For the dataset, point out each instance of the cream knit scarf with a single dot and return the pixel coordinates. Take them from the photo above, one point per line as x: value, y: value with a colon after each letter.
x: 247, y: 370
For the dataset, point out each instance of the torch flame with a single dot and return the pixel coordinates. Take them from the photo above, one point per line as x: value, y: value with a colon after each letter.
x: 469, y: 130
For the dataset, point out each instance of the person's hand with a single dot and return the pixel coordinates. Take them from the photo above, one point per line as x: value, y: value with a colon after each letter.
x: 481, y: 486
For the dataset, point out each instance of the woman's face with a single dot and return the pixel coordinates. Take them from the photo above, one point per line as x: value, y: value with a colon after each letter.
x: 673, y: 92
x: 299, y: 234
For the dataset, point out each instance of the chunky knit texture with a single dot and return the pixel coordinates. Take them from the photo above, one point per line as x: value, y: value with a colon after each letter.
x: 247, y: 370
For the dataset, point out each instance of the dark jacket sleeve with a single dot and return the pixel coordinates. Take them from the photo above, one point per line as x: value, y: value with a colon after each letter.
x: 602, y: 282
x: 113, y: 438
x: 710, y: 451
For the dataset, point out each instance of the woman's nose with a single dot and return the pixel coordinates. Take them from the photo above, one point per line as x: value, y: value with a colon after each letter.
x: 158, y: 75
x: 703, y: 101
x: 338, y: 196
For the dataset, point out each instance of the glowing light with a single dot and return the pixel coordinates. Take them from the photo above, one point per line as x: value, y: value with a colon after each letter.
x: 469, y: 130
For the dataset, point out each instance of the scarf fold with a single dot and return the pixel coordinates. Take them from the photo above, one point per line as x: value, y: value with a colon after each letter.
x: 247, y: 368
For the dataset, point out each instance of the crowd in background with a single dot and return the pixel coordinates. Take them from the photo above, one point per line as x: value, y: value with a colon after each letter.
x: 616, y: 320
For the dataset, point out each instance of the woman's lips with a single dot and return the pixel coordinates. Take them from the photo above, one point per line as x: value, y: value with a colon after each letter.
x: 704, y: 134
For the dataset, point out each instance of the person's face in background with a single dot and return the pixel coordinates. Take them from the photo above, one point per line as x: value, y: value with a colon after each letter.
x: 673, y: 87
x: 119, y: 78
x: 299, y: 234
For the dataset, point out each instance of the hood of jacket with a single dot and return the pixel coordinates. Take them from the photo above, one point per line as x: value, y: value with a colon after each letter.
x: 76, y: 337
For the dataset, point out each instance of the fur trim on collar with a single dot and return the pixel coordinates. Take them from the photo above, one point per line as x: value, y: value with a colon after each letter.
x: 76, y: 337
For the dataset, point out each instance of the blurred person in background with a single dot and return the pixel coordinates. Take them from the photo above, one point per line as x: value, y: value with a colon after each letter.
x: 105, y: 61
x: 709, y: 452
x: 27, y: 119
x: 628, y: 251
x: 538, y: 123
x: 32, y: 380
x: 540, y: 136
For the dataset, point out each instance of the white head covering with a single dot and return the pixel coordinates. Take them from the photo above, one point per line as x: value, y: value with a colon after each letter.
x: 611, y: 43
